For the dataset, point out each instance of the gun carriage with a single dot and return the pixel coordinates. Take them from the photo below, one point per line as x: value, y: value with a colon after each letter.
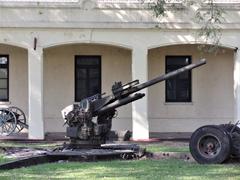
x: 12, y: 120
x: 89, y: 121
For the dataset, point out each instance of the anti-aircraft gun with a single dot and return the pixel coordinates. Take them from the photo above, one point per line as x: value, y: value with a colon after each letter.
x: 89, y: 124
x: 89, y: 121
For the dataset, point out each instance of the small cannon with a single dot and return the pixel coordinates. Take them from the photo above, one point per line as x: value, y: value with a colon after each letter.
x: 12, y: 120
x: 89, y: 121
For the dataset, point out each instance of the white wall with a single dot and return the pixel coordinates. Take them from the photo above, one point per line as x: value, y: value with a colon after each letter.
x: 18, y: 77
x: 212, y: 85
x: 125, y: 25
x: 212, y: 91
x: 59, y: 80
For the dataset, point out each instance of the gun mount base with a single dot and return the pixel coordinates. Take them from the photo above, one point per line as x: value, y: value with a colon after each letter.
x: 81, y: 144
x: 104, y: 152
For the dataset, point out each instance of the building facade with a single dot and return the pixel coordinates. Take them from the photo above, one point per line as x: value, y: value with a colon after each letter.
x: 51, y: 53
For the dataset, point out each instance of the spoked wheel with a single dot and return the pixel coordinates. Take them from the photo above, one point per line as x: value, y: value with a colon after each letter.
x: 21, y: 118
x: 210, y: 145
x: 8, y: 122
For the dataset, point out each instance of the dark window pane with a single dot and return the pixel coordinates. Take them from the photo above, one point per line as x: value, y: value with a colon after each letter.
x: 87, y: 60
x: 93, y: 86
x: 4, y: 78
x: 81, y: 95
x: 183, y: 75
x: 81, y: 73
x: 87, y: 76
x: 178, y: 88
x: 81, y: 84
x: 3, y: 73
x: 94, y: 73
x: 3, y: 83
x: 178, y: 61
x: 3, y: 94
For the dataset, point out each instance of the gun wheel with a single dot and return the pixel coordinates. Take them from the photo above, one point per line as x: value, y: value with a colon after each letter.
x: 210, y: 145
x: 8, y: 122
x: 21, y: 118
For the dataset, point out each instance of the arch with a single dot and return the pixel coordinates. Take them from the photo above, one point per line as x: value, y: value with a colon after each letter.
x: 189, y: 42
x: 114, y: 44
x: 16, y: 44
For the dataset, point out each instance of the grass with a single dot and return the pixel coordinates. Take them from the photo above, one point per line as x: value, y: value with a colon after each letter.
x: 3, y: 145
x: 3, y: 159
x: 30, y: 145
x: 164, y: 148
x: 120, y: 170
x: 150, y: 147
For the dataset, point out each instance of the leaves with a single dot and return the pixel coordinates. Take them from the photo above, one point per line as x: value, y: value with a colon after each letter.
x: 159, y: 8
x: 208, y: 15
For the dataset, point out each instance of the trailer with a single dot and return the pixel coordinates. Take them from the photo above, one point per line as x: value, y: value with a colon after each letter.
x: 214, y: 144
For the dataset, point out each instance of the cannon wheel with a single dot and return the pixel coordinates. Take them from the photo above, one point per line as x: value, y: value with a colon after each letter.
x: 20, y: 116
x: 8, y: 122
x: 210, y: 145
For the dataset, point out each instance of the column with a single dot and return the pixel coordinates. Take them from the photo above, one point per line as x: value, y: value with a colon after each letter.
x: 236, y: 77
x: 140, y: 126
x: 35, y: 94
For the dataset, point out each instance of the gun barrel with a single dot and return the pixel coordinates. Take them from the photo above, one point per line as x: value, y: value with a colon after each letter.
x: 127, y: 95
x: 167, y: 76
x: 121, y: 102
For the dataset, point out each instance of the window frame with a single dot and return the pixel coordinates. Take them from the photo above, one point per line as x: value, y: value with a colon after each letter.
x: 6, y: 56
x: 177, y: 100
x: 99, y: 66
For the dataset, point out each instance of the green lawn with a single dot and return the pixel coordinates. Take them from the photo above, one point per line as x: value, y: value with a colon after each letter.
x: 164, y: 148
x: 135, y: 169
x: 30, y: 145
x: 3, y: 158
x: 142, y: 169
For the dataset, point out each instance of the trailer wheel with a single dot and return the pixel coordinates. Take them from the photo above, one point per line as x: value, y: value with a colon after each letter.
x: 234, y: 133
x: 210, y: 145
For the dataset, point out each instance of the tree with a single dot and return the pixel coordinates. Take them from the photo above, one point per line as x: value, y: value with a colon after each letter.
x: 208, y: 15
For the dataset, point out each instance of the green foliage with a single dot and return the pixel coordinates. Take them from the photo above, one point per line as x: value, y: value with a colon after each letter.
x: 159, y: 8
x: 208, y: 15
x: 210, y: 21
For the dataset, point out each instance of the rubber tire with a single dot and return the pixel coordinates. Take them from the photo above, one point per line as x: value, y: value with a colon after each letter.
x: 234, y: 137
x: 223, y: 139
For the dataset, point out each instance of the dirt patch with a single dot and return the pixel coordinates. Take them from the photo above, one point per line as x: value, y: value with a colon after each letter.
x: 170, y: 155
x: 176, y: 144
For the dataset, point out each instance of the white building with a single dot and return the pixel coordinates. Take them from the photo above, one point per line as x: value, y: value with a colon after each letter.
x: 54, y: 52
